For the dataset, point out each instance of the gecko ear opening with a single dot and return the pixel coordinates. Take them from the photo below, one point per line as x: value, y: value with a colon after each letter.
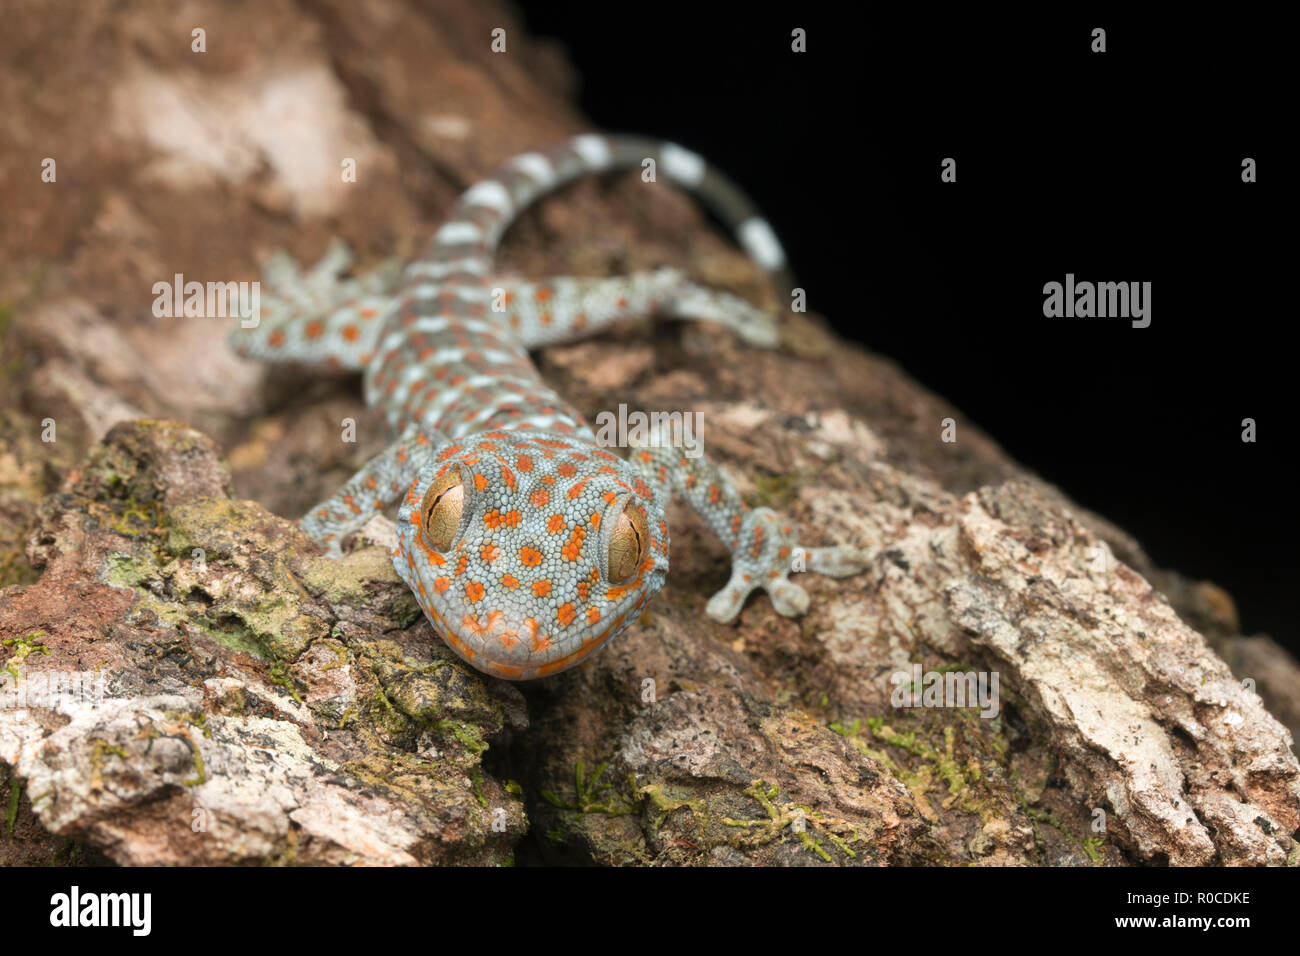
x: 442, y: 509
x: 628, y: 543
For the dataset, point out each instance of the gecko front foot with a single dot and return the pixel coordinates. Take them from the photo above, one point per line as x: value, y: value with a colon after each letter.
x: 765, y: 553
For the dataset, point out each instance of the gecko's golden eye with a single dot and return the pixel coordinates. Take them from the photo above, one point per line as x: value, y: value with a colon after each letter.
x: 441, y: 510
x: 628, y: 543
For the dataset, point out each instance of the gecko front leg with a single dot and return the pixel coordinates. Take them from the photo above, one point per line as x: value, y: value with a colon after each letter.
x: 383, y: 480
x: 764, y: 547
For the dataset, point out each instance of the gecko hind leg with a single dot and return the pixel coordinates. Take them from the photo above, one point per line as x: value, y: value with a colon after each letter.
x: 564, y: 309
x: 318, y: 317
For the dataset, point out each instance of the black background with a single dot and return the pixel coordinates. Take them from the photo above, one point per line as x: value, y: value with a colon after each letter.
x: 1121, y: 166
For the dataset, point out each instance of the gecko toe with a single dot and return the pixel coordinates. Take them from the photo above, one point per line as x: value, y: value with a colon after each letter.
x: 789, y: 599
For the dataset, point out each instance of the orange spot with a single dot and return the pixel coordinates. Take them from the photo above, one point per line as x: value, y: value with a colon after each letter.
x: 440, y: 584
x: 530, y: 557
x: 573, y: 547
x: 524, y: 463
x: 593, y: 615
x: 541, y: 588
x: 540, y: 641
x: 474, y: 592
x: 489, y: 552
x: 351, y: 333
x: 509, y: 581
x: 539, y: 498
x: 555, y: 524
x: 565, y: 614
x: 480, y: 482
x: 567, y: 470
x: 314, y: 329
x: 275, y: 339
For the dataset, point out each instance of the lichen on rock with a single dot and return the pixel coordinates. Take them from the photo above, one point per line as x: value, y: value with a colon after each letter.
x: 256, y: 702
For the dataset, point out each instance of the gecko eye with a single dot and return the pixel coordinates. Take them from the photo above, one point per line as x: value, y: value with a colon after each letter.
x: 628, y: 543
x: 441, y: 510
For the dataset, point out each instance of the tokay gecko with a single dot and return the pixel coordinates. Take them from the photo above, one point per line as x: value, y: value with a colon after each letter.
x: 526, y: 543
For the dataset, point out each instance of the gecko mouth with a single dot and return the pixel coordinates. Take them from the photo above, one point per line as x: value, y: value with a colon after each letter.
x: 524, y: 651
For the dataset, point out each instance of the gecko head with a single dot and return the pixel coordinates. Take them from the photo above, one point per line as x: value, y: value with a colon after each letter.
x: 528, y: 550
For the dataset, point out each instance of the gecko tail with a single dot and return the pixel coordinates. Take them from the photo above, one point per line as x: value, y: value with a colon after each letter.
x: 468, y: 241
x: 726, y: 200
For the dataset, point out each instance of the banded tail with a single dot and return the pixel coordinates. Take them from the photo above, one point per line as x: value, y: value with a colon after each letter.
x: 466, y: 244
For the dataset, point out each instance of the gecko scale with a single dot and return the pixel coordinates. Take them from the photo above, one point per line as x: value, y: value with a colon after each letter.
x: 526, y: 543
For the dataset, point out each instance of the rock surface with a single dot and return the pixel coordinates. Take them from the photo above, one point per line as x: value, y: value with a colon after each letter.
x: 184, y: 678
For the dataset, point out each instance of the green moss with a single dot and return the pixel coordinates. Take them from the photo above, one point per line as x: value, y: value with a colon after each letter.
x: 103, y: 747
x: 200, y: 772
x: 1092, y: 847
x: 781, y: 816
x: 23, y: 647
x: 467, y: 735
x: 136, y: 518
x: 341, y: 655
x: 958, y: 771
x: 279, y: 675
x: 590, y: 794
x: 387, y: 717
x: 476, y: 784
x: 343, y: 720
x: 658, y: 796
